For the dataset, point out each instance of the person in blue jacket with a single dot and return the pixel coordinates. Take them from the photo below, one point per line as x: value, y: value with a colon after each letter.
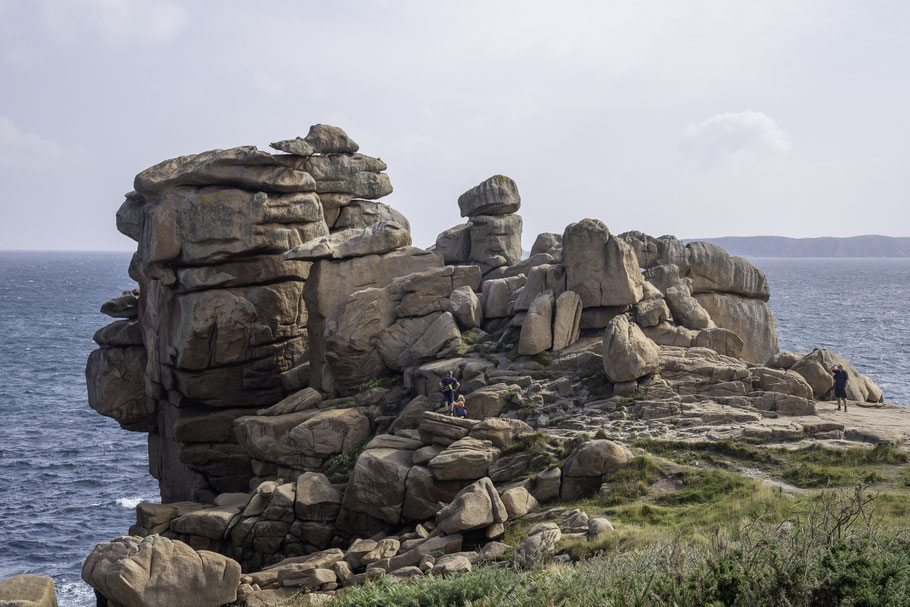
x: 449, y: 386
x: 840, y: 385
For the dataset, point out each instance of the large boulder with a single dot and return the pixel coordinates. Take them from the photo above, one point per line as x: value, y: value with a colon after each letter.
x: 426, y: 495
x: 713, y: 269
x: 584, y: 470
x: 497, y: 195
x: 627, y: 353
x: 331, y: 432
x: 28, y: 591
x: 750, y: 319
x: 859, y: 387
x: 158, y: 572
x: 489, y: 401
x: 602, y: 269
x: 495, y: 240
x: 537, y: 329
x: 566, y: 320
x: 497, y: 294
x: 686, y: 309
x: 779, y: 380
x: 315, y: 498
x: 502, y: 432
x: 475, y: 507
x: 454, y: 244
x: 377, y: 484
x: 465, y: 459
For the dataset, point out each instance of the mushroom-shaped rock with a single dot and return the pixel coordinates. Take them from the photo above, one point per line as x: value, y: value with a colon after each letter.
x: 159, y: 572
x: 627, y: 353
x: 476, y: 506
x: 498, y: 195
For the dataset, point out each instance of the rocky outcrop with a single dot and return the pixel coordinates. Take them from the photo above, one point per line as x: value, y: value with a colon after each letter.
x: 286, y: 343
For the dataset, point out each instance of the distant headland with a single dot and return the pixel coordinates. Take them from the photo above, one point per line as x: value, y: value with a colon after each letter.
x: 780, y: 246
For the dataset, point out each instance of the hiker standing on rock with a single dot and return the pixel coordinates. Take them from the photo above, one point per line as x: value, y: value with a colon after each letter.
x: 840, y: 385
x: 449, y: 386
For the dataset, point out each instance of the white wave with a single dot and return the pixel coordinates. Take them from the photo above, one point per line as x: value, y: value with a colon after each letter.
x: 76, y: 594
x: 130, y: 502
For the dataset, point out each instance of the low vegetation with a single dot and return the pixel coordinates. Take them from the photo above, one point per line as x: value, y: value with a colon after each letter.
x: 838, y: 552
x: 708, y: 524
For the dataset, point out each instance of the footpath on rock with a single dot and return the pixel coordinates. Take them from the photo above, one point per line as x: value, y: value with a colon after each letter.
x: 284, y: 352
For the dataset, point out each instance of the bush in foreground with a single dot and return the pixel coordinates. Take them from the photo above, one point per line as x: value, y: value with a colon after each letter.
x: 836, y: 555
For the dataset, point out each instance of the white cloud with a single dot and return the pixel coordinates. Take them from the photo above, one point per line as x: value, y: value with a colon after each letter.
x: 734, y: 138
x: 21, y: 149
x: 115, y: 21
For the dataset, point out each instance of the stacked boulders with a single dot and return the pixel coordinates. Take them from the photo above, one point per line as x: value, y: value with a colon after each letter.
x: 222, y: 320
x: 492, y: 236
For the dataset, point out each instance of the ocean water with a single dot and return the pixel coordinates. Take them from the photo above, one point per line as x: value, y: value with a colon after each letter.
x: 70, y: 478
x: 858, y: 308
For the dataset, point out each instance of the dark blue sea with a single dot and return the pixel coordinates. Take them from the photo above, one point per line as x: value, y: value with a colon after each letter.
x: 70, y: 478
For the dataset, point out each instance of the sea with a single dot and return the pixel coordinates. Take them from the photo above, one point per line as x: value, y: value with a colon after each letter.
x: 70, y: 478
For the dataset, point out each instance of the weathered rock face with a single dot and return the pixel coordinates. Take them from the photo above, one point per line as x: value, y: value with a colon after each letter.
x: 220, y: 315
x: 600, y: 268
x: 159, y: 572
x: 750, y: 319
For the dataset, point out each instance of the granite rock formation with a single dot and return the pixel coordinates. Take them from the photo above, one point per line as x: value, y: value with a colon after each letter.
x: 286, y: 342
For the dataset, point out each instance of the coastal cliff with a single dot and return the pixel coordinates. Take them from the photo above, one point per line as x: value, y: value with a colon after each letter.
x: 285, y: 346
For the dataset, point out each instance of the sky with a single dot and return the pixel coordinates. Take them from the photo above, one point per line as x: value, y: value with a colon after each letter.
x: 693, y: 118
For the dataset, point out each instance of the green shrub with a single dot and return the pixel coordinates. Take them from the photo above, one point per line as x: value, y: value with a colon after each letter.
x: 381, y: 382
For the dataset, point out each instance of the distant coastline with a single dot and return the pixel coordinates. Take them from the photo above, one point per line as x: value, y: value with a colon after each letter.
x: 872, y: 246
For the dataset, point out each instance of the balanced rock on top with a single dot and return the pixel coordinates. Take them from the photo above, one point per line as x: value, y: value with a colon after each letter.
x: 498, y: 195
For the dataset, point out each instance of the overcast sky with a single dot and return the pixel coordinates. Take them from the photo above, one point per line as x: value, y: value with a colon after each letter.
x: 690, y: 118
